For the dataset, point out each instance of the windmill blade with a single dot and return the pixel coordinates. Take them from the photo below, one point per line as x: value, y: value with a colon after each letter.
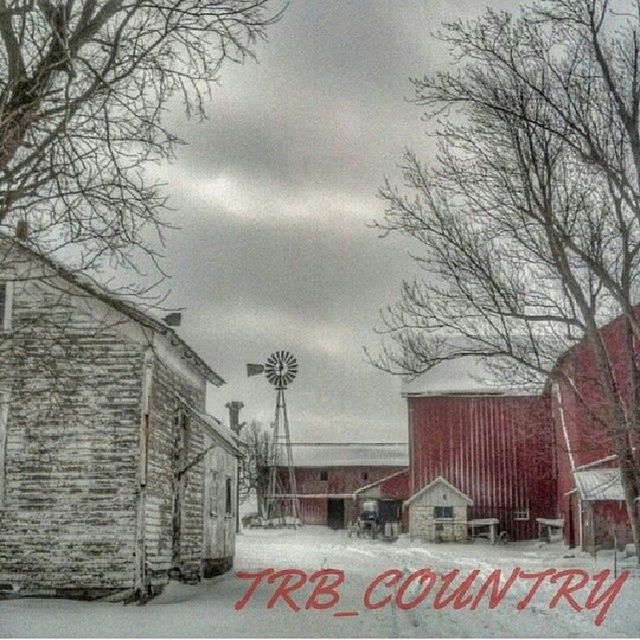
x: 254, y: 370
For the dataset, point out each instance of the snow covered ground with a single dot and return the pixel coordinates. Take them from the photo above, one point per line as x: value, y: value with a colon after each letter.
x: 207, y: 609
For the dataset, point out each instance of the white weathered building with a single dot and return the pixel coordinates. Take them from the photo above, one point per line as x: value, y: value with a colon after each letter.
x: 112, y: 476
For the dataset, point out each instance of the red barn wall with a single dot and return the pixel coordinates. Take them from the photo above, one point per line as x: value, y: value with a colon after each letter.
x: 340, y: 482
x: 339, y: 479
x: 495, y: 449
x: 313, y: 510
x: 579, y: 435
x: 396, y: 487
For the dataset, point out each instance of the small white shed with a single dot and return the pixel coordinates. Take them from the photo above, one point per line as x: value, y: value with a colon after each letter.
x: 438, y: 512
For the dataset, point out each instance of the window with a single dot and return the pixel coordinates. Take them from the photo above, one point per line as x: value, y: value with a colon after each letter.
x: 6, y: 290
x: 365, y: 475
x: 324, y: 475
x: 443, y: 513
x: 228, y: 495
x: 521, y: 513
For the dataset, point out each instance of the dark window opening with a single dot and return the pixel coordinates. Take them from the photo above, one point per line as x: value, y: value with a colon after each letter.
x: 3, y: 303
x: 365, y: 475
x: 324, y: 475
x: 181, y: 437
x: 443, y: 513
x: 228, y: 502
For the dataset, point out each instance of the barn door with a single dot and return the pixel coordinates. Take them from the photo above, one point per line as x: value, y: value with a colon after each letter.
x: 335, y: 513
x: 180, y: 450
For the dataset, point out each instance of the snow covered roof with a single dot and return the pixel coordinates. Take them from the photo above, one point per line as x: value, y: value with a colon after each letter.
x: 351, y: 454
x: 433, y: 483
x: 221, y: 432
x: 599, y: 484
x: 465, y: 375
x: 126, y: 307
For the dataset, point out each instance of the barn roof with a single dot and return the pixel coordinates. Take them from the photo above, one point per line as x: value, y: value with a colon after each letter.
x: 466, y: 375
x: 126, y: 307
x: 350, y: 454
x: 599, y: 484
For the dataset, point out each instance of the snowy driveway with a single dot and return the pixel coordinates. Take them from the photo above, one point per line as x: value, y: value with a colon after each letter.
x: 207, y: 609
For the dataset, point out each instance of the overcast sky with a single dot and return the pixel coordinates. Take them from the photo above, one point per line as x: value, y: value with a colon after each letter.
x: 274, y: 195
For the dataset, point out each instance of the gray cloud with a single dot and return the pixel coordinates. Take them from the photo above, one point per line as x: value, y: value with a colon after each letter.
x: 273, y: 196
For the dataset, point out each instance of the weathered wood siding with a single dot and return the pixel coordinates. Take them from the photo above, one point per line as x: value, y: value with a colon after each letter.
x: 219, y: 518
x: 91, y: 459
x: 73, y: 379
x: 169, y: 392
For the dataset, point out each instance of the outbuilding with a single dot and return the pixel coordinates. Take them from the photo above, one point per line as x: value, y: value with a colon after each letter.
x: 113, y: 478
x: 328, y: 474
x: 439, y: 512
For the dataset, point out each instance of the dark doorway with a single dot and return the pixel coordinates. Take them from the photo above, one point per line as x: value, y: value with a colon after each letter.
x: 572, y: 529
x: 180, y: 453
x: 389, y: 511
x: 335, y: 513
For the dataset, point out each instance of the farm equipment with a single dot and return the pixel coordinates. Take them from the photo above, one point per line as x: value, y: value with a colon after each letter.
x: 367, y: 525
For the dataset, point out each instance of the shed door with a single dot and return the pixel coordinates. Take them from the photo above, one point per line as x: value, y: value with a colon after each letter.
x: 389, y: 510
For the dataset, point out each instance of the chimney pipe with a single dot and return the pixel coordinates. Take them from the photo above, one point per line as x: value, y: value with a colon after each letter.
x: 234, y: 415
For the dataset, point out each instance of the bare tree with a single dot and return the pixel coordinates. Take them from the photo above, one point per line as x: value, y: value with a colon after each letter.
x: 83, y: 88
x: 255, y: 476
x: 529, y: 222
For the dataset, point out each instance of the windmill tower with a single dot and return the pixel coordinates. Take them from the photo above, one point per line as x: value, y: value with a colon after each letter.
x: 282, y: 495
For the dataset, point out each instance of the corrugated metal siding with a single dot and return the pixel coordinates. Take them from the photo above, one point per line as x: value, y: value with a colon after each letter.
x: 495, y: 449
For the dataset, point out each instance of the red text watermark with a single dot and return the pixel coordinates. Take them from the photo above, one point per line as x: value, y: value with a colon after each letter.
x: 296, y: 589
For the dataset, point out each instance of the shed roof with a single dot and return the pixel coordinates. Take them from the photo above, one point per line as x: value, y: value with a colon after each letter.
x: 395, y: 474
x: 126, y: 307
x: 350, y: 454
x: 599, y: 484
x: 433, y: 483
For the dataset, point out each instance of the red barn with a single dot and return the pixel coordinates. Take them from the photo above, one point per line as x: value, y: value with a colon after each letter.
x: 491, y: 446
x: 589, y: 492
x: 327, y: 476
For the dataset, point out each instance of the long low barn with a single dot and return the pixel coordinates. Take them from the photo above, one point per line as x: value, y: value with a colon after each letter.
x: 328, y: 474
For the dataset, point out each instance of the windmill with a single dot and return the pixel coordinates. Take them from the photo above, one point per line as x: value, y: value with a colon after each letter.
x: 282, y: 498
